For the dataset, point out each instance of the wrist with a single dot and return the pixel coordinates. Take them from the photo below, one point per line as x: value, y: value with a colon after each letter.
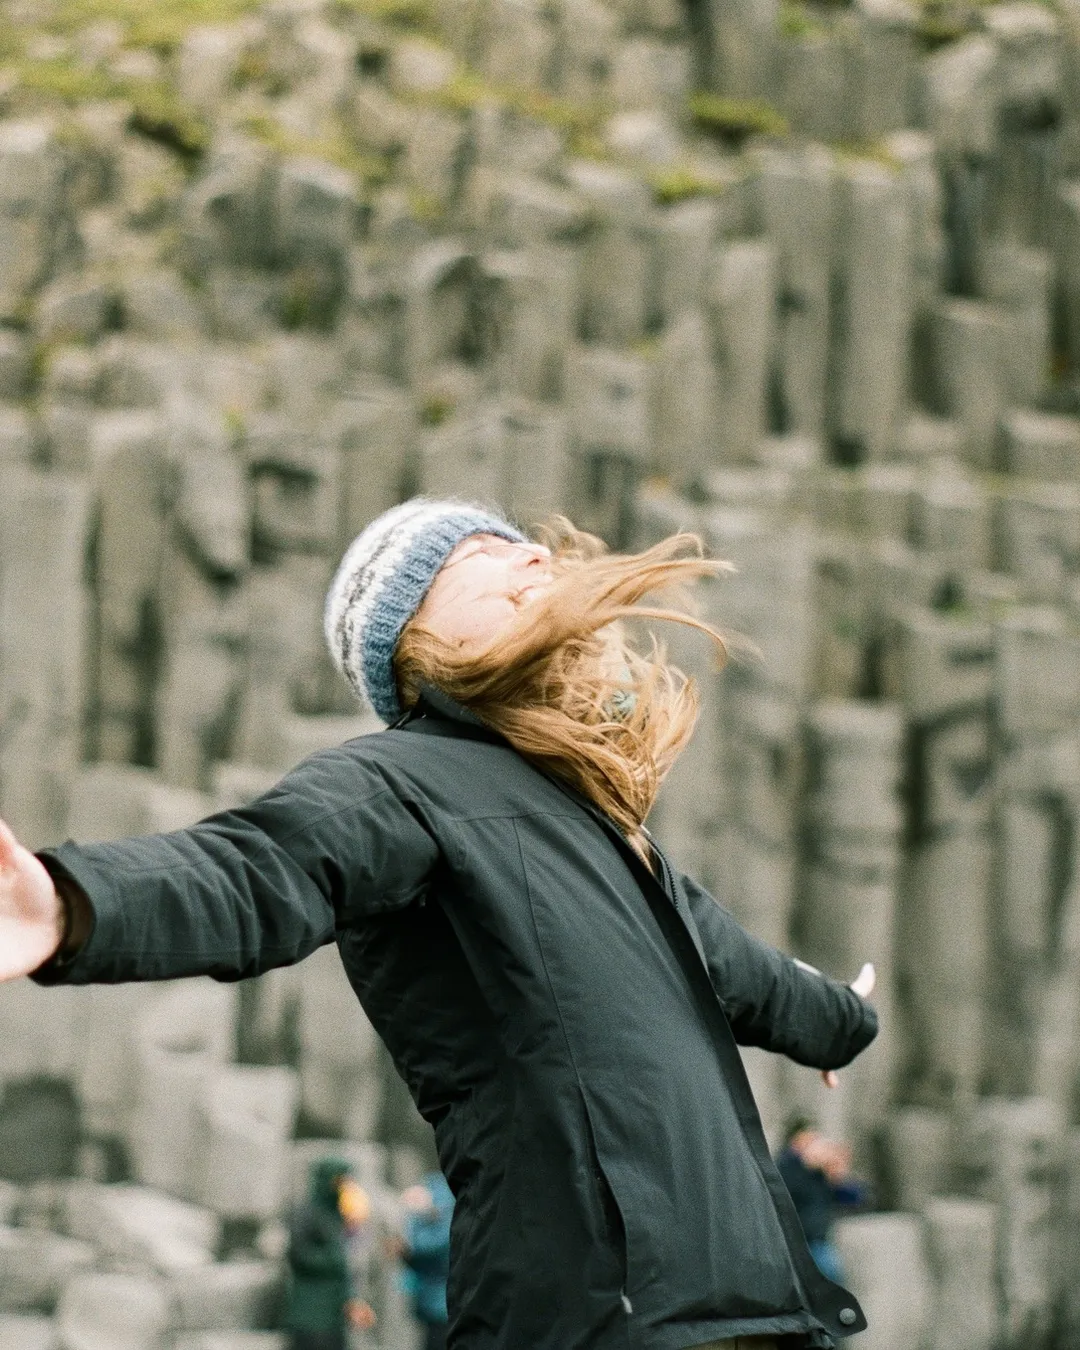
x: 73, y: 917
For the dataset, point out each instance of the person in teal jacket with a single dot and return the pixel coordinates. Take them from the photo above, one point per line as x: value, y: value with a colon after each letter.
x: 426, y: 1254
x: 320, y: 1304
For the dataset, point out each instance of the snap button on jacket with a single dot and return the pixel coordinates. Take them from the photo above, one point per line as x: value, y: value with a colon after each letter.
x: 567, y: 1022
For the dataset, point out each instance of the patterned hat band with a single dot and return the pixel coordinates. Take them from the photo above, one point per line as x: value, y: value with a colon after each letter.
x: 381, y: 583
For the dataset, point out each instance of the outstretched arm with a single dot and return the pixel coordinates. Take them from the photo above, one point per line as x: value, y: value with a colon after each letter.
x: 774, y: 1001
x: 237, y: 894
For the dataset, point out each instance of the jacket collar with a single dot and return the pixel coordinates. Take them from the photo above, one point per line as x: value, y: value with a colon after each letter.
x: 433, y: 705
x: 432, y: 699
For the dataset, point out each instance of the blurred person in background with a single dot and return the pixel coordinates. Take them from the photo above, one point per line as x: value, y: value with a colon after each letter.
x: 424, y: 1251
x: 320, y: 1302
x: 564, y: 1004
x: 817, y: 1172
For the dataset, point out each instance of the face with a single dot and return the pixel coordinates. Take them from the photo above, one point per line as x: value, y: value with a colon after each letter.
x: 353, y: 1203
x: 482, y: 586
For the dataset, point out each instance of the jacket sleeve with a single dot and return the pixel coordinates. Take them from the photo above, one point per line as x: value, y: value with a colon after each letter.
x: 427, y: 1248
x: 774, y: 1001
x: 250, y: 889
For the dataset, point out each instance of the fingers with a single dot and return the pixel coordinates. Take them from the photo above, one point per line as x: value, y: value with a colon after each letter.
x: 830, y: 1078
x: 9, y: 846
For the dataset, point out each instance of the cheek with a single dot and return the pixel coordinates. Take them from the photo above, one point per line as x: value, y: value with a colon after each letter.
x: 478, y: 620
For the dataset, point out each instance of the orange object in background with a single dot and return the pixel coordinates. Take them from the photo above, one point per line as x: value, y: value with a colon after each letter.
x: 354, y: 1204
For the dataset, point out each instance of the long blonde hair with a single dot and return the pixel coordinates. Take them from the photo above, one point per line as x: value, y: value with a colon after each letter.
x: 563, y: 683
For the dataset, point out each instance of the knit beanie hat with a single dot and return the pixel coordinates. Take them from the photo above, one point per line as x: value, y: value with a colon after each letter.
x: 381, y: 583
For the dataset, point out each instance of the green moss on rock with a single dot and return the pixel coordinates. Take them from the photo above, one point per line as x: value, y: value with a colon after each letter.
x: 735, y: 120
x: 155, y: 110
x: 156, y: 24
x: 680, y: 183
x: 334, y: 147
x: 414, y: 16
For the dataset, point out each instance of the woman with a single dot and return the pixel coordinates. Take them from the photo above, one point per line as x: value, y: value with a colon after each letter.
x: 564, y: 1006
x: 320, y: 1304
x: 424, y: 1251
x: 817, y: 1173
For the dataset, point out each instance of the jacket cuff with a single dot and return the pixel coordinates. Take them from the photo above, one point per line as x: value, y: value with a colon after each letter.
x: 80, y: 920
x: 867, y: 1029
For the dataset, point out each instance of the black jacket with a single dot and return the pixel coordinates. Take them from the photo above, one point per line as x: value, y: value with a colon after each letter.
x: 566, y: 1022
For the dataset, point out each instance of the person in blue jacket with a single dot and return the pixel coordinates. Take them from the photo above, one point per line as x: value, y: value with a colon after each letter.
x: 425, y: 1253
x: 817, y: 1172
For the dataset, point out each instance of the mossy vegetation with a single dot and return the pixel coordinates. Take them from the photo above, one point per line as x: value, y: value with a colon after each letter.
x: 735, y: 120
x: 414, y: 16
x: 255, y: 71
x: 938, y: 22
x: 580, y: 123
x: 797, y: 21
x: 941, y: 22
x: 46, y: 68
x: 158, y: 114
x: 61, y: 80
x: 159, y: 25
x: 155, y: 109
x: 682, y: 182
x: 334, y: 146
x: 425, y: 206
x: 309, y: 297
x: 874, y: 152
x: 437, y: 409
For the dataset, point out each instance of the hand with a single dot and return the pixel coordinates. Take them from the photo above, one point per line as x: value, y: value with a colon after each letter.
x: 360, y: 1315
x: 863, y: 985
x: 31, y: 915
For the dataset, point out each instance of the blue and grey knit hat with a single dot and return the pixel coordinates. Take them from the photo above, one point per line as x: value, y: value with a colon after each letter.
x: 381, y: 582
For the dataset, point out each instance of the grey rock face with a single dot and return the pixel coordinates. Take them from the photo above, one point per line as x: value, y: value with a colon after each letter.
x: 129, y: 1312
x: 31, y: 209
x: 141, y: 1228
x: 1012, y: 1147
x: 25, y: 1332
x: 506, y: 258
x: 886, y: 1263
x: 245, y: 1116
x: 35, y: 1267
x: 799, y: 206
x: 960, y: 96
x: 875, y: 322
x: 684, y: 401
x: 741, y: 297
x: 615, y: 262
x: 225, y: 1296
x: 44, y: 534
x: 960, y: 1244
x: 231, y: 1340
